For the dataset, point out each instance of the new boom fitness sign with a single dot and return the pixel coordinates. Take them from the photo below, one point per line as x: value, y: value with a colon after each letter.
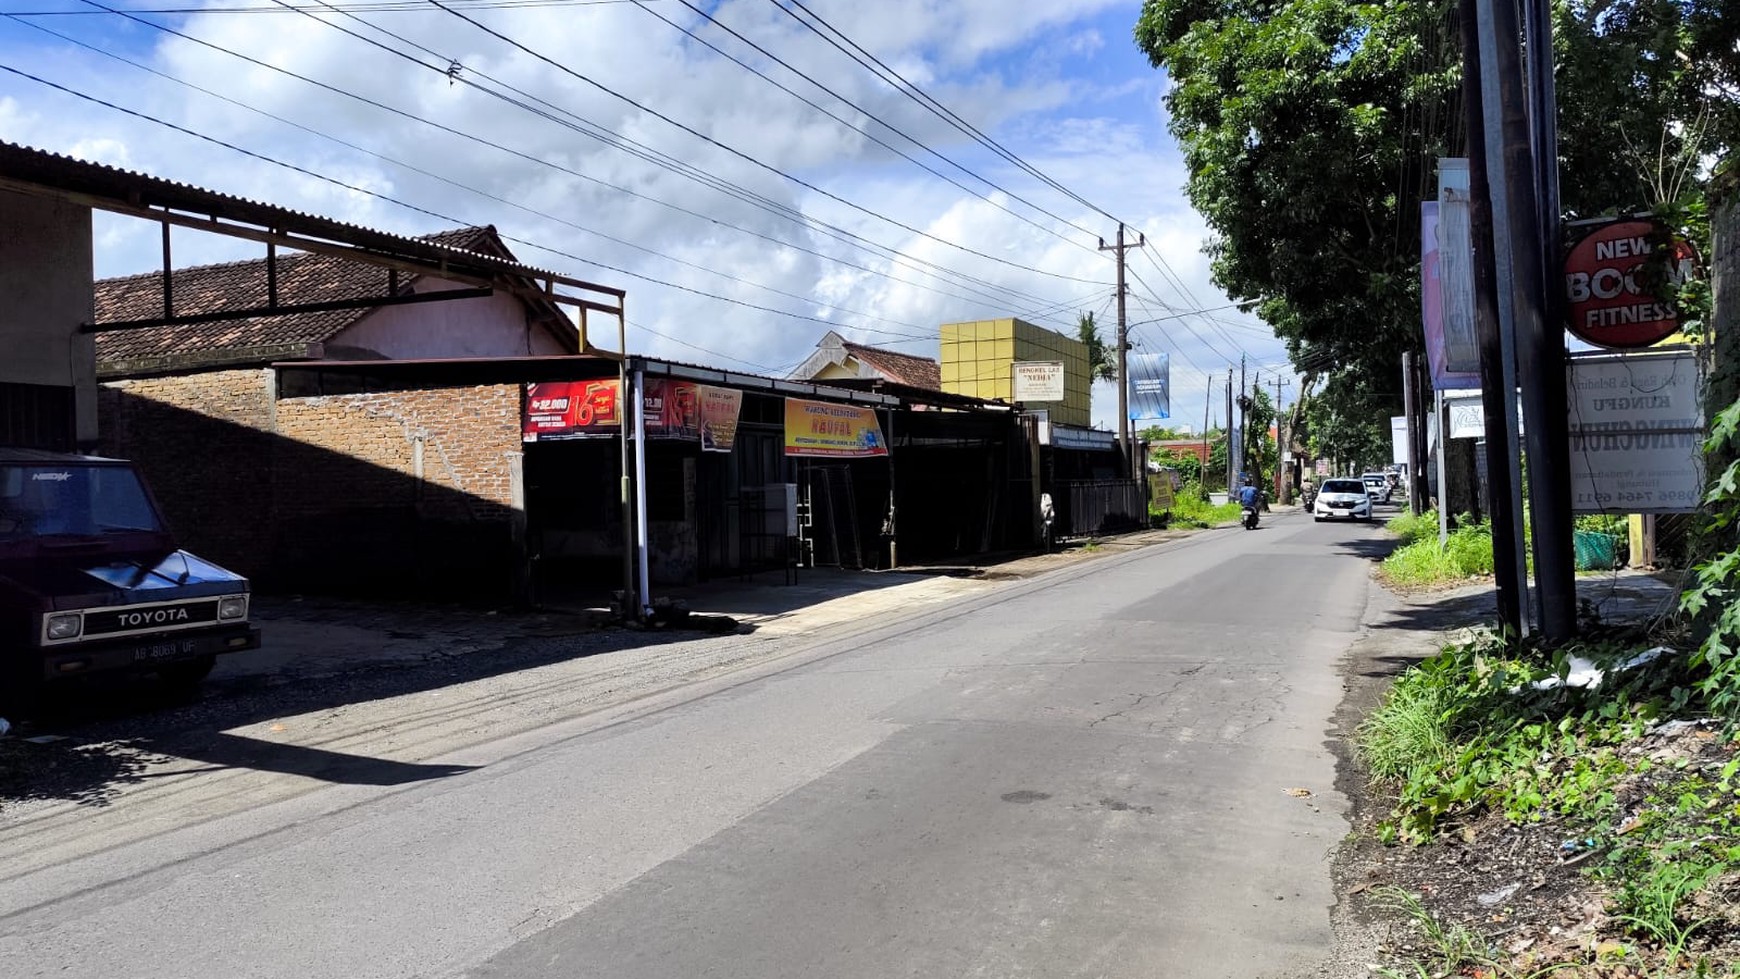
x: 1621, y: 280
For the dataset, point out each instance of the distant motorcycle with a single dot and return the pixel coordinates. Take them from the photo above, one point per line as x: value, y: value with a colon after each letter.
x: 1250, y: 518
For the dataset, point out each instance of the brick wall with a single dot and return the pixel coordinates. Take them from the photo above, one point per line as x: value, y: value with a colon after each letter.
x: 408, y: 492
x: 204, y: 443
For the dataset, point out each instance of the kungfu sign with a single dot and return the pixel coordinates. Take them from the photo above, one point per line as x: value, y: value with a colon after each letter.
x: 1636, y: 433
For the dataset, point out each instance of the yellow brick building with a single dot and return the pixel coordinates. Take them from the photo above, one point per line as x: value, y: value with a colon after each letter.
x: 977, y: 361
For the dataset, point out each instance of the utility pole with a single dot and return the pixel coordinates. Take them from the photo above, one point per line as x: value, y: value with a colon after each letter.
x: 1284, y: 484
x: 1414, y: 433
x: 1207, y: 400
x: 1125, y: 441
x: 1231, y: 475
x: 1540, y: 345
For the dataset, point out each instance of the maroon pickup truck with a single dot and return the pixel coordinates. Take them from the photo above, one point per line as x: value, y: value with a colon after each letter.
x: 92, y: 581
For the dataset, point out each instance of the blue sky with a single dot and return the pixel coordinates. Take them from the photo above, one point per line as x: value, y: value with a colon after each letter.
x: 1060, y: 84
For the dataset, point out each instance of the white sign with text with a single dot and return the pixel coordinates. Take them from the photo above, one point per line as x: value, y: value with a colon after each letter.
x: 1038, y: 380
x: 1636, y: 433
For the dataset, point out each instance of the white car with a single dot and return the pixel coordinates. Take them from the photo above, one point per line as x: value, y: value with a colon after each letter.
x: 1342, y: 498
x: 1378, y: 485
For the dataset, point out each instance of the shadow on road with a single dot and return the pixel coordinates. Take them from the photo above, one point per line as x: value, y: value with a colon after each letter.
x: 100, y: 736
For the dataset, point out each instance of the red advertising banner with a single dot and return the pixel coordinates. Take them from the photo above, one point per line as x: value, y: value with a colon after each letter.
x: 571, y: 409
x: 1621, y: 280
x: 591, y: 409
x: 673, y: 409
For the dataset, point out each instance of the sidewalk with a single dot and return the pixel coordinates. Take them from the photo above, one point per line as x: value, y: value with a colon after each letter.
x: 308, y: 637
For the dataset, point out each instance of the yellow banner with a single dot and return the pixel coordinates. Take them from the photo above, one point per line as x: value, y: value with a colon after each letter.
x: 818, y: 428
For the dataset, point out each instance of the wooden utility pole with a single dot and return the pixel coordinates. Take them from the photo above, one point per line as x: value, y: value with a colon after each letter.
x: 1207, y: 400
x: 1125, y: 441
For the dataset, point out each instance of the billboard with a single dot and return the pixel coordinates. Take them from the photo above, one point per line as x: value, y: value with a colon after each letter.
x: 835, y: 431
x: 1150, y: 386
x: 1621, y: 280
x: 1636, y: 433
x: 1039, y: 380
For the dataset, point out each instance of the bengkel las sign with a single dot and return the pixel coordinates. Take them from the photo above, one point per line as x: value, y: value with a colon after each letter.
x: 1620, y: 283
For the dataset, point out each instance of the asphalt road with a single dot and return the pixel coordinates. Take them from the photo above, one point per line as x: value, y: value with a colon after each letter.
x: 1099, y: 772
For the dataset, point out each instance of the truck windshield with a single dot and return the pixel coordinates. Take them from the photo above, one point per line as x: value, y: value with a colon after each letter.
x: 72, y: 500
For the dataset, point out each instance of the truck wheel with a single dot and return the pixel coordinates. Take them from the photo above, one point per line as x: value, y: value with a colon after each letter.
x: 186, y: 674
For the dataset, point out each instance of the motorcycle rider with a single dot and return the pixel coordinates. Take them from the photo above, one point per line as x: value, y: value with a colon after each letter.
x: 1248, y: 496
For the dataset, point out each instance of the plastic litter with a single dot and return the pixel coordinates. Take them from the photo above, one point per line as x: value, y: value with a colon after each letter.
x: 1493, y: 898
x: 1583, y: 673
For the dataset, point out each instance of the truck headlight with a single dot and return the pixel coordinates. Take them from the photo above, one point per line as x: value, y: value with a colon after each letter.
x: 234, y: 607
x: 65, y: 626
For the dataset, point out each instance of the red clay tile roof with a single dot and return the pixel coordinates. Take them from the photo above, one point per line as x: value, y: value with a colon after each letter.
x: 303, y: 277
x: 918, y: 372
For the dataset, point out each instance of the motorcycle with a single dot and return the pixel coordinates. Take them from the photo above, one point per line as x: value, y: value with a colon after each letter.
x: 1250, y: 518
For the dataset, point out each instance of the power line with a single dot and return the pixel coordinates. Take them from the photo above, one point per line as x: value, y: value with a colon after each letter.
x: 454, y: 183
x: 453, y: 70
x: 366, y: 6
x: 900, y: 84
x: 842, y: 236
x: 746, y: 157
x: 873, y: 117
x: 413, y: 207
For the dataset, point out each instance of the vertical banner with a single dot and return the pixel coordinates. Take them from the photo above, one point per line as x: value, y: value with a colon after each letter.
x: 571, y: 409
x: 1432, y: 302
x: 719, y: 409
x: 1150, y: 385
x: 820, y: 428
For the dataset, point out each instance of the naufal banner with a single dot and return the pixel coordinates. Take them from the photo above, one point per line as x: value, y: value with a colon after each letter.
x: 720, y: 409
x: 593, y: 409
x: 818, y: 428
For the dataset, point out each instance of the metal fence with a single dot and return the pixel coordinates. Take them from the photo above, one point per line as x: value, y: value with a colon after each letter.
x: 1101, y: 506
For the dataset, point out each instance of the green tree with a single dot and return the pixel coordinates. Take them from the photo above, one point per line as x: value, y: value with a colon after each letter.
x: 1311, y: 129
x: 1101, y: 365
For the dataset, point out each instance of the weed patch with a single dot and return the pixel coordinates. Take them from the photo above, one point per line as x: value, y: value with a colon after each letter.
x: 1424, y: 564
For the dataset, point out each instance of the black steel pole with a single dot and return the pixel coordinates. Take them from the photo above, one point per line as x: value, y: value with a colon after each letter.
x: 1492, y: 392
x: 1540, y: 345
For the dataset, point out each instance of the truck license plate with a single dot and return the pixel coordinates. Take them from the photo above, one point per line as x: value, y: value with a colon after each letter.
x: 164, y: 650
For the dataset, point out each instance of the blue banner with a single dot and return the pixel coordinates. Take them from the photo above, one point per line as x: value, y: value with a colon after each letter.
x: 1150, y: 386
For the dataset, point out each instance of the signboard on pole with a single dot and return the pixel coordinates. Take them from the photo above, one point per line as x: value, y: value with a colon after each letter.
x: 1150, y: 385
x: 1038, y: 380
x: 1620, y: 281
x: 1399, y: 439
x: 836, y: 431
x: 571, y: 409
x: 1432, y: 305
x: 1467, y: 417
x: 1636, y: 433
x: 719, y: 410
x: 1457, y: 355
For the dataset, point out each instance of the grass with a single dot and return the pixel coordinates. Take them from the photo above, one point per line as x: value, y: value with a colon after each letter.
x: 1411, y: 528
x: 1410, y: 733
x: 1423, y: 563
x: 1190, y: 510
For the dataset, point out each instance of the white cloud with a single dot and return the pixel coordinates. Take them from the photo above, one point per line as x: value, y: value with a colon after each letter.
x: 1033, y: 75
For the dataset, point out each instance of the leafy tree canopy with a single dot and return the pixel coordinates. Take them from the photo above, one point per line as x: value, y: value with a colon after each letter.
x: 1311, y: 130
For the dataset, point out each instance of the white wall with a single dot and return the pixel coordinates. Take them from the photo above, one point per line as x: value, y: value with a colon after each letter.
x: 45, y: 296
x: 491, y: 326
